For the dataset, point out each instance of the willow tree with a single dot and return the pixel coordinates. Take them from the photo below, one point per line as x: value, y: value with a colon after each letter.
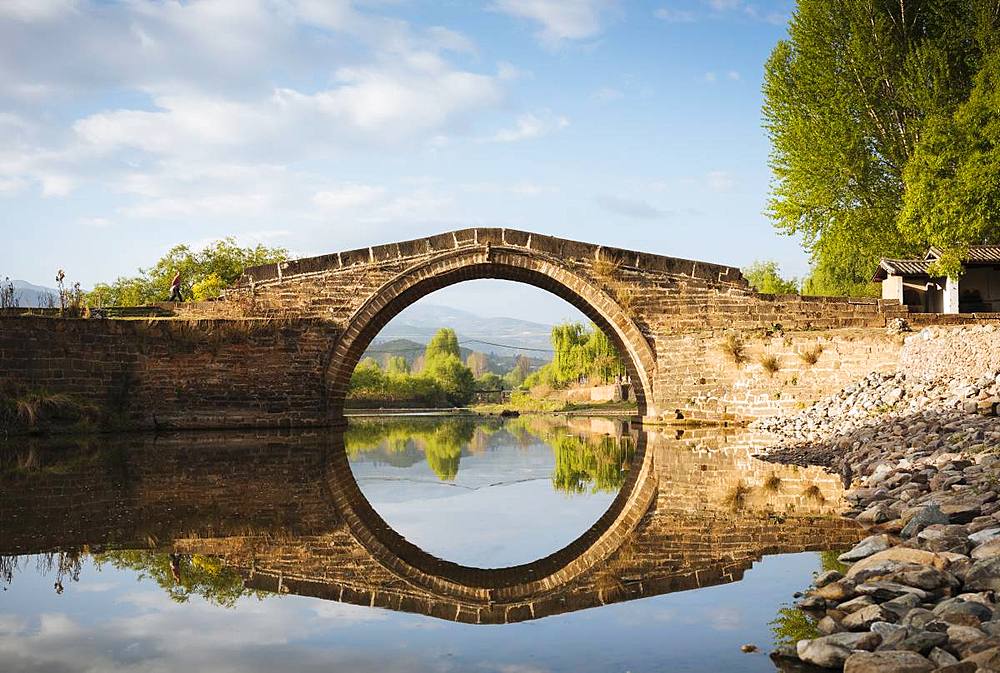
x: 847, y: 96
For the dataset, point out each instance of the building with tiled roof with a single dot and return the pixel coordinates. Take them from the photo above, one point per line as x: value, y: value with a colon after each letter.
x: 976, y: 291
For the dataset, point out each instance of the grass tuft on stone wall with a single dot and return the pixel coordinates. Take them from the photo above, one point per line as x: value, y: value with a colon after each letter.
x: 732, y: 345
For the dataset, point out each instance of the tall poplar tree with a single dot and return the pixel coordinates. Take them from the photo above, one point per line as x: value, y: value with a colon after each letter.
x: 846, y: 99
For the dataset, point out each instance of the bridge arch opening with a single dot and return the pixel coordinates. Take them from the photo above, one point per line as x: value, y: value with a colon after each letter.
x: 501, y: 264
x: 594, y: 545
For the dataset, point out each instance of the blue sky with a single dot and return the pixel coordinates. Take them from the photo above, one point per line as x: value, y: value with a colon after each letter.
x: 322, y: 125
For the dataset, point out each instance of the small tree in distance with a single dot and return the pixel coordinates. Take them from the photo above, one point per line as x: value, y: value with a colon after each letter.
x: 765, y: 277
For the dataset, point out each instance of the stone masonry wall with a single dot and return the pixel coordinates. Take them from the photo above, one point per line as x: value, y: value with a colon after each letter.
x: 964, y: 352
x: 172, y: 373
x: 709, y: 383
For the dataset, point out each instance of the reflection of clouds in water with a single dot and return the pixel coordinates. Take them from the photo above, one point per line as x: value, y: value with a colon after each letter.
x: 717, y: 618
x: 345, y: 612
x: 724, y: 618
x: 514, y: 668
x: 93, y: 587
x: 189, y: 636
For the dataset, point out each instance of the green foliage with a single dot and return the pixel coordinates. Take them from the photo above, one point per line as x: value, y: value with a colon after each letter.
x: 792, y: 625
x: 441, y: 440
x: 396, y: 364
x: 765, y: 277
x: 847, y: 96
x: 952, y: 197
x: 579, y: 352
x: 442, y: 381
x: 209, y: 270
x: 209, y: 287
x: 478, y: 363
x: 371, y: 386
x: 490, y: 381
x: 444, y: 343
x: 519, y: 372
x: 453, y: 377
x: 587, y: 463
x: 204, y: 576
x: 590, y: 464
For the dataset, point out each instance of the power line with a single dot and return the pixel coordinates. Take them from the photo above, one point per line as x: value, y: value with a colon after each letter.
x: 517, y: 348
x: 465, y: 341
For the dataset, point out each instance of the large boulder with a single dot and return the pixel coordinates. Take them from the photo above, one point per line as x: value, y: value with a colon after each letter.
x: 835, y: 591
x: 987, y: 549
x: 925, y: 516
x: 886, y: 591
x: 984, y: 575
x: 870, y: 545
x: 899, y: 555
x: 987, y: 660
x: 833, y: 650
x: 862, y: 619
x: 887, y: 662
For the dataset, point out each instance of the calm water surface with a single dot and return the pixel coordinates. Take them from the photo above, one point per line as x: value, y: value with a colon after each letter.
x: 230, y: 552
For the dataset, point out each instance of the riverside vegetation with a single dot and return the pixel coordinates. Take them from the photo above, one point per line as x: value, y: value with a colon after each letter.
x: 921, y: 450
x: 441, y: 379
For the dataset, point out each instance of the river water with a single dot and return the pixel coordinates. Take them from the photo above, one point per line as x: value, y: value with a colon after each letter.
x: 434, y: 544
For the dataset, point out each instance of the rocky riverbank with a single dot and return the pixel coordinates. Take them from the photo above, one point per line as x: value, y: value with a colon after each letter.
x: 921, y: 451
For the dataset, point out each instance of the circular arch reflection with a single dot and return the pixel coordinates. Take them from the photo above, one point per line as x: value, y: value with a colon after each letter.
x: 413, y: 564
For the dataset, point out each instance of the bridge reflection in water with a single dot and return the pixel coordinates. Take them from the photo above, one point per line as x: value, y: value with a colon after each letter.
x: 283, y: 513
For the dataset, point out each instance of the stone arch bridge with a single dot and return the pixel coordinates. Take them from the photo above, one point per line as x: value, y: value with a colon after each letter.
x: 279, y: 349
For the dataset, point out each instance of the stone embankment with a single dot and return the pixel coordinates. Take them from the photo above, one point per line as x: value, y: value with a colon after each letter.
x: 921, y: 449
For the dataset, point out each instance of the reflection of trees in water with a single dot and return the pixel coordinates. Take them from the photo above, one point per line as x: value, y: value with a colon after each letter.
x: 180, y: 575
x: 183, y: 575
x: 441, y: 440
x: 591, y: 464
x: 65, y: 566
x: 792, y: 624
x: 584, y: 462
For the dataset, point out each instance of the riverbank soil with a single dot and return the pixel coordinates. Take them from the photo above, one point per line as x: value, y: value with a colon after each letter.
x: 920, y: 450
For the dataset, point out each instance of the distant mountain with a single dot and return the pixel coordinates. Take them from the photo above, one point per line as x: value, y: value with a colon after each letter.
x: 27, y: 295
x: 382, y: 349
x: 420, y: 321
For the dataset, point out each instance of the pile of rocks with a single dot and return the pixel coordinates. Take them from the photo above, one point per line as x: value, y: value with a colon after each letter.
x: 923, y: 454
x: 923, y: 600
x: 878, y: 397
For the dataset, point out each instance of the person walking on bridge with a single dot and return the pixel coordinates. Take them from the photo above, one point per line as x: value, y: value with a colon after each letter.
x: 175, y: 287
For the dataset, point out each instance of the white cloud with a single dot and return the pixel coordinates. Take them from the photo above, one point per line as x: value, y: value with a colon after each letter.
x: 36, y: 10
x: 57, y: 185
x: 97, y: 223
x: 675, y: 15
x: 529, y: 126
x: 724, y: 5
x: 10, y: 186
x: 733, y: 75
x: 720, y: 181
x: 508, y: 72
x: 711, y: 76
x: 346, y: 197
x: 451, y: 40
x: 560, y: 19
x: 636, y: 209
x: 379, y: 104
x: 607, y: 94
